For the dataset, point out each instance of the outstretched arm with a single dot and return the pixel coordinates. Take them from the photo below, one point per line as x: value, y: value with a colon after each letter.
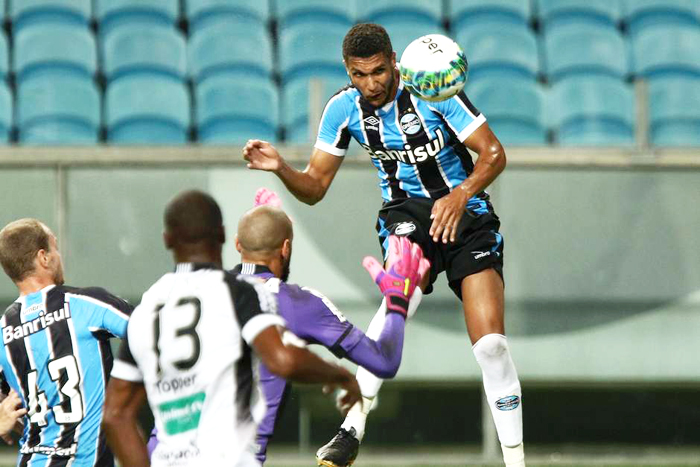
x: 308, y: 186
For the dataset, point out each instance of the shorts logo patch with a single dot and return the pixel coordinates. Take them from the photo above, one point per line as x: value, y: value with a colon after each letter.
x: 404, y: 228
x: 508, y: 403
x: 480, y: 254
x: 410, y: 124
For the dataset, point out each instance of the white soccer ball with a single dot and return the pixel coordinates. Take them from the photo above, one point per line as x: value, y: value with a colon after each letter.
x: 433, y: 67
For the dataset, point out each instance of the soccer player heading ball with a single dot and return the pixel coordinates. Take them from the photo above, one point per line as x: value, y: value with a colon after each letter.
x: 433, y: 193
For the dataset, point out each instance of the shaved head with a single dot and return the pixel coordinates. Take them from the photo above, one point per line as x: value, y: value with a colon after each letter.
x: 263, y: 229
x: 194, y: 217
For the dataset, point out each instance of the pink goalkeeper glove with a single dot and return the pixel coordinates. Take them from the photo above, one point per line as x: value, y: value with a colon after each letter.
x: 265, y: 196
x: 405, y: 267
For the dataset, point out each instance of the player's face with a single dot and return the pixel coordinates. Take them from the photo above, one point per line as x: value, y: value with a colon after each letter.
x: 376, y: 77
x: 55, y: 261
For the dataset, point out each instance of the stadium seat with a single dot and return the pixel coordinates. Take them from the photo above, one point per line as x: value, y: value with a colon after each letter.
x: 211, y: 51
x: 513, y: 108
x: 402, y: 34
x: 25, y: 13
x: 58, y: 110
x: 593, y: 111
x: 506, y: 13
x: 418, y: 12
x: 5, y: 113
x: 500, y: 53
x: 295, y: 104
x: 4, y: 57
x: 663, y: 51
x: 202, y: 13
x: 231, y: 110
x: 640, y: 14
x: 556, y: 13
x: 147, y: 110
x: 140, y: 49
x: 305, y: 53
x: 585, y: 49
x: 54, y: 49
x: 674, y: 111
x: 295, y: 12
x: 114, y: 13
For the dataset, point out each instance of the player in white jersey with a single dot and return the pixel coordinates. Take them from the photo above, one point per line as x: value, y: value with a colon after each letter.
x: 190, y: 349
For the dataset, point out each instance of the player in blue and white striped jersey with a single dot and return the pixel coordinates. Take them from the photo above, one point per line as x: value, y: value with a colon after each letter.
x: 433, y: 193
x: 55, y: 351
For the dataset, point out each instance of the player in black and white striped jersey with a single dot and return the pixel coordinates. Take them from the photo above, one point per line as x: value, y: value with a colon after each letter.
x: 190, y: 350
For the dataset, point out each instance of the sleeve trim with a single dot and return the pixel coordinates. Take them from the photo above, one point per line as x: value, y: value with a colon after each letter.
x: 126, y: 371
x: 329, y: 148
x: 471, y: 128
x: 259, y: 323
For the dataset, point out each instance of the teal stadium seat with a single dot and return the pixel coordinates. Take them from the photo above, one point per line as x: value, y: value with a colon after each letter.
x: 58, y: 110
x: 491, y: 53
x: 111, y: 14
x: 641, y: 14
x: 585, y: 49
x: 232, y: 48
x: 147, y: 110
x: 305, y: 52
x: 139, y: 49
x: 54, y: 49
x: 513, y: 108
x: 5, y: 113
x: 296, y: 12
x: 202, y: 13
x: 592, y: 111
x: 25, y: 13
x: 664, y: 51
x: 402, y: 34
x: 295, y: 105
x: 561, y: 13
x: 674, y: 111
x: 388, y: 12
x: 233, y: 110
x: 498, y: 14
x: 4, y: 57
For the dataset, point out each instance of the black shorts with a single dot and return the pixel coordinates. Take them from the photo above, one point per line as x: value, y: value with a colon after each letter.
x: 478, y: 244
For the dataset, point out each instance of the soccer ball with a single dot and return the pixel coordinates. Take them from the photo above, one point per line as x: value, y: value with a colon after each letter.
x: 433, y: 67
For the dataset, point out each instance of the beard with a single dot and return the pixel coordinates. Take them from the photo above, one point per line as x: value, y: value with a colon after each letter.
x: 58, y: 276
x: 286, y: 269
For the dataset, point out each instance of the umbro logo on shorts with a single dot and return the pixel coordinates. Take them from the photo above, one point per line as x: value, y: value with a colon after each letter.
x: 404, y: 228
x: 480, y: 254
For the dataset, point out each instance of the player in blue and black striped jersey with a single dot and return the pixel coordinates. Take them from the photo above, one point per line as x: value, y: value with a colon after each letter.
x: 55, y: 351
x: 433, y: 193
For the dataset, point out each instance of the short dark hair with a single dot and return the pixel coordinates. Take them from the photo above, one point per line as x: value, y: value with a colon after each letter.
x: 20, y: 241
x: 366, y: 39
x: 193, y: 216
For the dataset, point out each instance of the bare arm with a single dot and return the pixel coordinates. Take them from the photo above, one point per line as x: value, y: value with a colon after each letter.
x: 122, y: 403
x: 448, y: 210
x: 308, y: 186
x: 11, y: 413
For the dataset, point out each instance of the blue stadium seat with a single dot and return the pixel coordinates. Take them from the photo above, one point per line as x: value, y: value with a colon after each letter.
x: 295, y: 104
x: 4, y: 57
x: 402, y: 34
x: 513, y: 108
x: 202, y: 13
x: 508, y: 13
x: 58, y: 110
x: 640, y: 14
x: 212, y: 51
x: 585, y: 49
x: 25, y: 13
x: 295, y: 12
x: 662, y: 51
x: 674, y: 111
x: 231, y: 110
x: 141, y: 49
x: 400, y: 11
x: 55, y: 49
x: 593, y: 111
x: 147, y: 110
x: 307, y: 52
x: 5, y: 112
x: 510, y: 52
x: 114, y: 13
x: 555, y: 13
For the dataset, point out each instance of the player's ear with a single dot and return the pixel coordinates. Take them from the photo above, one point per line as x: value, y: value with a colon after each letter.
x: 393, y: 59
x: 239, y: 248
x: 287, y: 248
x: 43, y: 257
x: 222, y: 235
